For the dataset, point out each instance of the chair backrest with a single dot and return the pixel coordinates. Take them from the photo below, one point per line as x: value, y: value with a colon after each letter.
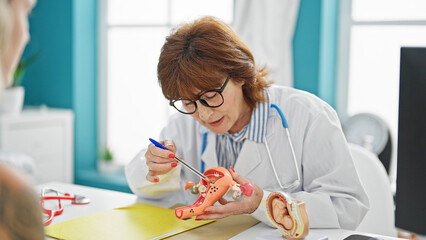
x: 380, y: 219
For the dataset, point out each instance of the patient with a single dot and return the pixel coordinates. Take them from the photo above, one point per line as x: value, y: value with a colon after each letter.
x: 20, y: 211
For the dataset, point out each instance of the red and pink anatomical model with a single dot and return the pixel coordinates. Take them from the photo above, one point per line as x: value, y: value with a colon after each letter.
x: 210, y: 192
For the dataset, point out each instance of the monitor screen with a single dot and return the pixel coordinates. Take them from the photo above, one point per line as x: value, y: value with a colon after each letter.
x: 411, y: 172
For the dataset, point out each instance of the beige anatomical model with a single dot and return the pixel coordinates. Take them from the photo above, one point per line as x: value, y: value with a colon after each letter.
x: 288, y: 215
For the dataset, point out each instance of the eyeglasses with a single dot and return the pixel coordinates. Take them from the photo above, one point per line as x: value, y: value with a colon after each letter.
x: 211, y: 99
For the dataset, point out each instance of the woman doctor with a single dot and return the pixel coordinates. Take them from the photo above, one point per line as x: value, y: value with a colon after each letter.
x: 226, y: 119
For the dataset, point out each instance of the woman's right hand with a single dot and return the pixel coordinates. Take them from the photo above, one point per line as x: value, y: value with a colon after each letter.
x: 160, y: 161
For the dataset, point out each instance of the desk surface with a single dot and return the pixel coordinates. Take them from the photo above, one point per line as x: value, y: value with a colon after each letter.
x: 102, y: 200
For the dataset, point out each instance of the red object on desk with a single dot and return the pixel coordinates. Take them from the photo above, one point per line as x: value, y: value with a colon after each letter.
x: 51, y: 213
x: 211, y: 192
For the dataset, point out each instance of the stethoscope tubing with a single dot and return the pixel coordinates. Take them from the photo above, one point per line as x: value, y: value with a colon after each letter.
x: 294, y: 184
x: 57, y: 198
x: 50, y: 219
x: 75, y: 200
x: 52, y: 213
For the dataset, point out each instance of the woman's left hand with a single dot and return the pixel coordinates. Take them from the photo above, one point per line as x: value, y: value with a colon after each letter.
x: 246, y: 205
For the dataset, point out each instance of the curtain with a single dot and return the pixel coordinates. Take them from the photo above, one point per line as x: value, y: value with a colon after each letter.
x: 267, y: 27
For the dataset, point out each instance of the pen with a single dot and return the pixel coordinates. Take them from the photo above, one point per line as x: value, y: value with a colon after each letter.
x: 159, y: 145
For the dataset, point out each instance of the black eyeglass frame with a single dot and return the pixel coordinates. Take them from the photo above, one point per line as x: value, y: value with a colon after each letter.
x: 202, y: 101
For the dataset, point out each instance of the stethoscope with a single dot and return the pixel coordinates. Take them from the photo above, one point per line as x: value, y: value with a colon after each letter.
x: 295, y: 183
x: 75, y: 199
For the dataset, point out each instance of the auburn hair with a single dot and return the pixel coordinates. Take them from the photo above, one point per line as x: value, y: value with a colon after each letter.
x: 198, y: 56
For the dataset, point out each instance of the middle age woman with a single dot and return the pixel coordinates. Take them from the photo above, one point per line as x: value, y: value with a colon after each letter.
x: 225, y: 118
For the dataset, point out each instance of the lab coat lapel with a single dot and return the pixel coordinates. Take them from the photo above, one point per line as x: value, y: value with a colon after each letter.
x: 209, y: 156
x: 249, y: 158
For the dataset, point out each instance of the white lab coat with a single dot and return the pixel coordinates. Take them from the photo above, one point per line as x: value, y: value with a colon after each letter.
x: 329, y: 184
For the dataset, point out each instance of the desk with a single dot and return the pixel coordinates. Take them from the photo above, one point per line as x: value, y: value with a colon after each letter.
x: 102, y: 200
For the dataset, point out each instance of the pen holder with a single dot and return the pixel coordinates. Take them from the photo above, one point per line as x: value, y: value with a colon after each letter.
x: 211, y: 192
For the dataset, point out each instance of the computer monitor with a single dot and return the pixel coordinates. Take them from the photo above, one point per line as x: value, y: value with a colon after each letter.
x: 411, y: 172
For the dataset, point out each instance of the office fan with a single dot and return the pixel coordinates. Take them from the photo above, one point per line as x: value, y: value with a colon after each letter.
x: 370, y: 131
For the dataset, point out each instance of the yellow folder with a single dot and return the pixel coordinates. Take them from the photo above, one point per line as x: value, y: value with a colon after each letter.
x: 137, y: 221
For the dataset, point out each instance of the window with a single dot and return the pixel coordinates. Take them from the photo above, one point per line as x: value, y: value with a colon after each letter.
x: 371, y: 35
x: 132, y: 107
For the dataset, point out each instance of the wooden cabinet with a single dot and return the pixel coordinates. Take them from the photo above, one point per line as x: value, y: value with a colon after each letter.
x: 46, y: 135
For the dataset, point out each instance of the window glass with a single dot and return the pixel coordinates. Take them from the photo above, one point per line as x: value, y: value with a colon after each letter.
x: 388, y: 10
x: 373, y: 81
x: 136, y: 106
x: 133, y: 12
x: 374, y: 68
x: 186, y: 10
x: 371, y: 34
x: 135, y: 32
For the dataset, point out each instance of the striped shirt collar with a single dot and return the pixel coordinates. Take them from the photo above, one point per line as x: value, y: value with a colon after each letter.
x: 255, y: 129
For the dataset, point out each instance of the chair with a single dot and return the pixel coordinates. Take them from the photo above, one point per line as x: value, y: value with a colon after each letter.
x: 380, y: 219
